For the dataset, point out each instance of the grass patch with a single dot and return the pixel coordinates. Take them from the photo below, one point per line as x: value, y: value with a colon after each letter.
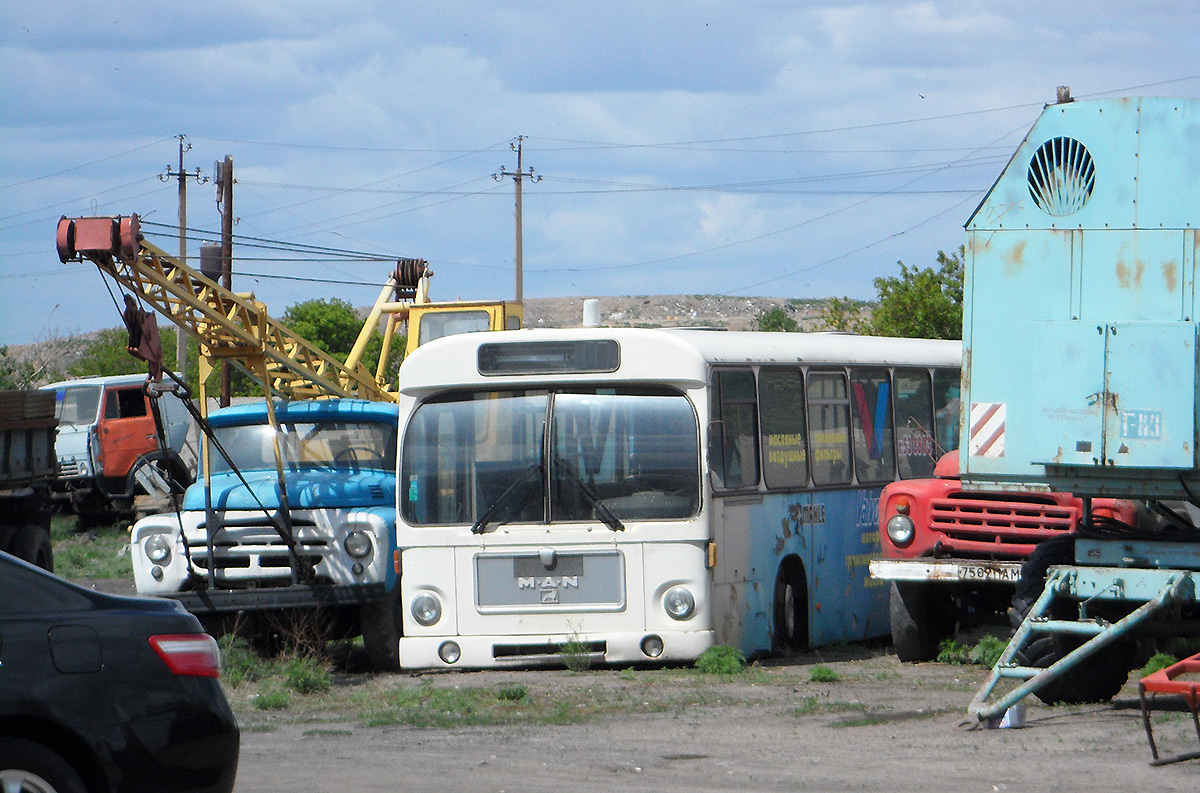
x: 823, y: 674
x: 100, y: 552
x: 986, y: 653
x: 721, y: 660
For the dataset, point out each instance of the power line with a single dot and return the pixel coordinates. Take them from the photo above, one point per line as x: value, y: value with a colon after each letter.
x: 85, y: 165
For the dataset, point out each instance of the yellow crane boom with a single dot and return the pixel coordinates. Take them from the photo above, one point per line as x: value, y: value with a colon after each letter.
x: 230, y: 326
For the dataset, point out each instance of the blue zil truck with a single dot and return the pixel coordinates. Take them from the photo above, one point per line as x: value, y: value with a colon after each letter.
x: 313, y: 528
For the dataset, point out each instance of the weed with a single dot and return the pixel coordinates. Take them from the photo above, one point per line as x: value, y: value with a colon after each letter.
x: 628, y: 673
x: 823, y: 674
x: 807, y: 707
x: 239, y: 663
x: 514, y: 693
x: 721, y: 659
x: 988, y: 651
x: 1157, y: 662
x: 575, y: 654
x: 272, y: 697
x: 305, y: 675
x: 951, y: 651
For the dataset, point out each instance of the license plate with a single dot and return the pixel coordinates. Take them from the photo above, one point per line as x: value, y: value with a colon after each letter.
x: 990, y: 573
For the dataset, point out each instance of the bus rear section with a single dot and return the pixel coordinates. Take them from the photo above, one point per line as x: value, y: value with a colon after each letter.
x: 549, y: 519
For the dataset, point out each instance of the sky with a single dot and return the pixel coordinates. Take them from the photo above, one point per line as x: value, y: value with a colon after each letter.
x: 764, y: 148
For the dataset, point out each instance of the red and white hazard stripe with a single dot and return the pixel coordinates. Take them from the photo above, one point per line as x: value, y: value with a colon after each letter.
x: 987, y: 429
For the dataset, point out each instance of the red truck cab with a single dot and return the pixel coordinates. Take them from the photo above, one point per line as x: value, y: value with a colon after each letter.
x: 953, y: 556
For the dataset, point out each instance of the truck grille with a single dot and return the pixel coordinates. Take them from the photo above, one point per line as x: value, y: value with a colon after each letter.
x: 1003, y: 521
x: 256, y: 554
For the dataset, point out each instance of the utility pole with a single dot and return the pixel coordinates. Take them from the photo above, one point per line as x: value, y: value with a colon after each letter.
x: 183, y: 176
x: 517, y: 176
x: 225, y: 206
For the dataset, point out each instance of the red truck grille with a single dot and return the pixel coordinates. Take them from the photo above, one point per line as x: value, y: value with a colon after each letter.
x: 1001, y: 522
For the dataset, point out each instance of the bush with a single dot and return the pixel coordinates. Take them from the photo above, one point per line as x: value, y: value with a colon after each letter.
x: 721, y: 660
x: 1157, y: 663
x: 305, y: 676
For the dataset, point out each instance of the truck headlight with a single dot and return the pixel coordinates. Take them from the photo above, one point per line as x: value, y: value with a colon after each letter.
x: 158, y: 548
x: 357, y: 544
x: 900, y: 530
x: 426, y: 609
x: 679, y: 603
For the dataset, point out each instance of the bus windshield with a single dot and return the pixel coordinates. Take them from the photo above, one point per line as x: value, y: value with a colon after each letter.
x: 483, y: 458
x: 307, y: 445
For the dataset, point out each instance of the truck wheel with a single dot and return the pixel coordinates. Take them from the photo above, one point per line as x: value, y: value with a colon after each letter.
x: 382, y: 625
x: 1096, y: 679
x: 791, y: 609
x: 25, y: 765
x: 32, y: 544
x: 922, y: 616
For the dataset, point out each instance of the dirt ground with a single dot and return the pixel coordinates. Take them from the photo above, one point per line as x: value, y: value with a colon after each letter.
x: 882, y: 726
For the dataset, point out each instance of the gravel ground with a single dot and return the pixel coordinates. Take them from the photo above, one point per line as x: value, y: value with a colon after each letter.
x: 883, y: 726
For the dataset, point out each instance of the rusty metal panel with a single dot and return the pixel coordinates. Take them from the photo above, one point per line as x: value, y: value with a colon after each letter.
x: 1080, y: 324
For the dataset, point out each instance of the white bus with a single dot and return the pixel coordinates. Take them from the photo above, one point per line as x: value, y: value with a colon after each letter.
x: 638, y: 496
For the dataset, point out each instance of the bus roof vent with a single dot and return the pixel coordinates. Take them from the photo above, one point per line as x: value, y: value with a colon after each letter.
x: 1061, y: 176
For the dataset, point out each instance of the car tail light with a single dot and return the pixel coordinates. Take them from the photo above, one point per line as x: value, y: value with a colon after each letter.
x: 193, y: 654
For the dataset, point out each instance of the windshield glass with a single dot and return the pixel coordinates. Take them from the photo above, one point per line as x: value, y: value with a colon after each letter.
x: 613, y: 455
x: 77, y: 404
x: 350, y: 446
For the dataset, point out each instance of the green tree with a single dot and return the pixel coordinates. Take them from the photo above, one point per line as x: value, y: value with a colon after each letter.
x: 924, y: 303
x: 776, y: 320
x: 333, y: 325
x: 329, y: 323
x: 846, y: 315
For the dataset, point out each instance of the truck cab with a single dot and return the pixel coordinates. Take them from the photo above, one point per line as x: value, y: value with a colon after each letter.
x: 106, y: 433
x: 320, y: 535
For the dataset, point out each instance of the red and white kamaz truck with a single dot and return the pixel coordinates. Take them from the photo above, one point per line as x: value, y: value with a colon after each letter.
x: 953, y: 556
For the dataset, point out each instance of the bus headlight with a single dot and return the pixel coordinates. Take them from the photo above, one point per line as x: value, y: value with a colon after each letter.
x: 357, y: 544
x: 158, y: 548
x: 679, y: 603
x: 426, y: 609
x: 900, y: 530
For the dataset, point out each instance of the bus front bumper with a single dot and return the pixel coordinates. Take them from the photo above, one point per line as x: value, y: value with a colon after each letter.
x: 501, y: 652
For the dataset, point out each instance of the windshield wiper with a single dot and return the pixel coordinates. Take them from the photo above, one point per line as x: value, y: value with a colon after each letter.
x: 480, y: 526
x: 607, y: 515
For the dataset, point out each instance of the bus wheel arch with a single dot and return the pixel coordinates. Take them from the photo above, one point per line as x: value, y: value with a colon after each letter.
x: 790, y: 624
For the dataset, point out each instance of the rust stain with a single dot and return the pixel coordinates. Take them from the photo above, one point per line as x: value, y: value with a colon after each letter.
x: 1123, y: 275
x: 779, y: 544
x: 1139, y: 269
x: 1014, y: 257
x: 1171, y: 274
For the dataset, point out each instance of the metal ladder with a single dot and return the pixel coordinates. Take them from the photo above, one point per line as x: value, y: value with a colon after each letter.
x: 1156, y: 587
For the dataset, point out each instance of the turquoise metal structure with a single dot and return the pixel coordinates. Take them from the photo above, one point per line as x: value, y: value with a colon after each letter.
x: 1080, y: 370
x: 1080, y: 321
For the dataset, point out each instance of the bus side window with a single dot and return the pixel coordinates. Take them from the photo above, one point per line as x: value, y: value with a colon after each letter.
x: 916, y: 453
x: 785, y: 458
x: 733, y: 439
x: 829, y: 427
x: 947, y: 405
x: 874, y: 451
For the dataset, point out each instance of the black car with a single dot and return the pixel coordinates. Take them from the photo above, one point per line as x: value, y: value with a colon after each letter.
x: 100, y: 693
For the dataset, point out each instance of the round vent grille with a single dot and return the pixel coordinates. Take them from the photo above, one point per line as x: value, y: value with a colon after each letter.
x: 1061, y: 176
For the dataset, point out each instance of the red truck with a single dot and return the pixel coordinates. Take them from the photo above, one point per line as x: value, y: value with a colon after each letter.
x: 953, y: 556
